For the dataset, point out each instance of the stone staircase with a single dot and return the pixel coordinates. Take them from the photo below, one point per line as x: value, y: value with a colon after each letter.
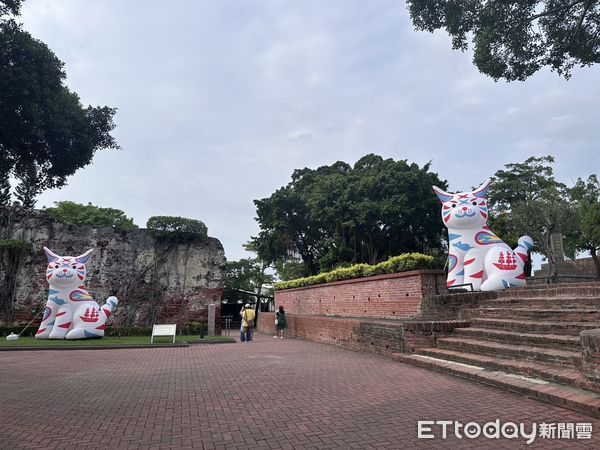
x: 526, y: 341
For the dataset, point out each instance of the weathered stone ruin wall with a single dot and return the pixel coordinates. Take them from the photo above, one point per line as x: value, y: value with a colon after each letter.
x: 154, y: 281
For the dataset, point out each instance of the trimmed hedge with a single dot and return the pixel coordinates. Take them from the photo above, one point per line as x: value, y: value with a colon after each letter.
x: 395, y: 264
x: 178, y: 229
x: 6, y: 330
x: 109, y: 331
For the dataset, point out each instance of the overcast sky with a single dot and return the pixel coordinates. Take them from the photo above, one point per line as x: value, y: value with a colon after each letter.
x: 219, y: 101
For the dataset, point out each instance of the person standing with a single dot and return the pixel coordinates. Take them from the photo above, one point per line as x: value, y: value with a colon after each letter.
x: 280, y: 323
x: 242, y: 331
x: 248, y: 321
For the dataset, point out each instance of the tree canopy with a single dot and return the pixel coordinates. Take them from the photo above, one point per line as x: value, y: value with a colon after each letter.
x: 513, y: 39
x: 78, y: 214
x: 519, y: 183
x: 586, y: 195
x: 340, y: 214
x: 46, y: 133
x: 177, y: 229
x: 247, y: 274
x: 526, y: 199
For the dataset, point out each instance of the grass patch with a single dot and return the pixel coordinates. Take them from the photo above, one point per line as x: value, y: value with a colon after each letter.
x: 103, y: 342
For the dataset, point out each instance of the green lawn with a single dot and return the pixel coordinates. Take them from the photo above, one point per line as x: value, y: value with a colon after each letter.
x: 106, y: 341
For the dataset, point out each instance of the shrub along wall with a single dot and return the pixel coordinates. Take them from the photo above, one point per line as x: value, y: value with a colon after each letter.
x: 395, y: 264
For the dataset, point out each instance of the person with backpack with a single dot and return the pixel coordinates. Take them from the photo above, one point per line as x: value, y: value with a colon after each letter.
x: 248, y: 321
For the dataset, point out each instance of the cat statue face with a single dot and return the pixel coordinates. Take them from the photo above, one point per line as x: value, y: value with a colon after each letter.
x: 65, y: 271
x: 464, y: 210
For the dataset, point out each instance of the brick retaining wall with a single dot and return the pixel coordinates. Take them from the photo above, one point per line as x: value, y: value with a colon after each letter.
x: 362, y: 334
x: 393, y: 296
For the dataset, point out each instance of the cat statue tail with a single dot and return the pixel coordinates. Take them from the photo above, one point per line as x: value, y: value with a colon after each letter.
x: 525, y: 244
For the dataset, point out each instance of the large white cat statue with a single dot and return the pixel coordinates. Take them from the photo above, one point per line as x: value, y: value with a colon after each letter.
x: 476, y: 255
x: 71, y: 312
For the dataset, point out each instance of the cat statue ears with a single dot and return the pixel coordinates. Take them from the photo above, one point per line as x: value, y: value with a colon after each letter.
x: 480, y: 192
x: 82, y: 259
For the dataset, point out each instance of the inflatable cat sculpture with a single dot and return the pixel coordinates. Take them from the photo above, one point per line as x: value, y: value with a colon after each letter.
x: 476, y: 255
x: 71, y: 312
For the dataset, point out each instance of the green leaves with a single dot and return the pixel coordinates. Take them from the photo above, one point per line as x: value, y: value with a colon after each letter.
x: 586, y: 196
x: 10, y: 7
x: 46, y: 131
x: 177, y: 229
x: 338, y: 215
x: 15, y: 245
x: 247, y: 274
x: 514, y: 39
x: 78, y: 214
x: 401, y: 263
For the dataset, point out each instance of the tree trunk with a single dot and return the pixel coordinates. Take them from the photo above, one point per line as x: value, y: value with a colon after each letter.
x: 183, y: 306
x: 257, y: 307
x: 596, y: 262
x: 552, y: 269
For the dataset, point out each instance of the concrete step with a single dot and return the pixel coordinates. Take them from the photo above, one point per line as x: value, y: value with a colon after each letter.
x: 520, y: 352
x: 559, y: 341
x: 548, y: 372
x: 562, y: 314
x: 553, y: 291
x: 543, y: 302
x: 534, y: 326
x: 565, y: 396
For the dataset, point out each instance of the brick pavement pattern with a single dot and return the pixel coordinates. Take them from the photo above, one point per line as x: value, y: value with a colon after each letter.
x: 271, y: 393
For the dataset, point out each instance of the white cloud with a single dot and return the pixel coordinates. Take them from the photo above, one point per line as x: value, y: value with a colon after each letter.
x: 220, y: 101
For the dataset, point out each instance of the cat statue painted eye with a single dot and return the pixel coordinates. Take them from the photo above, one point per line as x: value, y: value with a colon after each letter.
x: 56, y: 266
x: 474, y: 203
x: 454, y: 206
x: 74, y: 266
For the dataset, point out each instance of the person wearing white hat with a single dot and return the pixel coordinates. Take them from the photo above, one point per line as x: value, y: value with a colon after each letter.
x: 247, y: 314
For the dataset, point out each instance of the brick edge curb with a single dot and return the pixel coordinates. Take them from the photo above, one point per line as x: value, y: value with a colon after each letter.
x: 553, y: 393
x: 93, y: 347
x: 219, y: 341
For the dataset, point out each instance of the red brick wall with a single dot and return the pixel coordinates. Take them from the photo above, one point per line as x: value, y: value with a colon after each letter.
x: 383, y: 296
x: 350, y: 333
x: 357, y: 334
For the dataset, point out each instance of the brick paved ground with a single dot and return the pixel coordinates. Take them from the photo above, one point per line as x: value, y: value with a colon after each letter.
x: 268, y: 394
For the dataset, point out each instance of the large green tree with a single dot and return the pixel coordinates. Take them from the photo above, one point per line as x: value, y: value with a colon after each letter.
x: 586, y: 195
x: 46, y: 134
x: 519, y: 184
x: 249, y: 275
x: 341, y: 214
x: 513, y: 39
x: 541, y: 218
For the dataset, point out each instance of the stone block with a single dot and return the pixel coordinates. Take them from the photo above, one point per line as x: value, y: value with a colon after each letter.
x: 590, y: 358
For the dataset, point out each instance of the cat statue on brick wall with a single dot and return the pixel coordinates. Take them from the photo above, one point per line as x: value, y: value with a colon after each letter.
x: 476, y: 255
x: 71, y: 312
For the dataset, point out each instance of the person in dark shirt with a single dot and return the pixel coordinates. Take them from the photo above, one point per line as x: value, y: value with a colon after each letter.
x: 280, y: 323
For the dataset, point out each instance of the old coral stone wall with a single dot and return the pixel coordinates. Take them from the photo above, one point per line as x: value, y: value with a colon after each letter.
x: 155, y: 282
x: 393, y: 296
